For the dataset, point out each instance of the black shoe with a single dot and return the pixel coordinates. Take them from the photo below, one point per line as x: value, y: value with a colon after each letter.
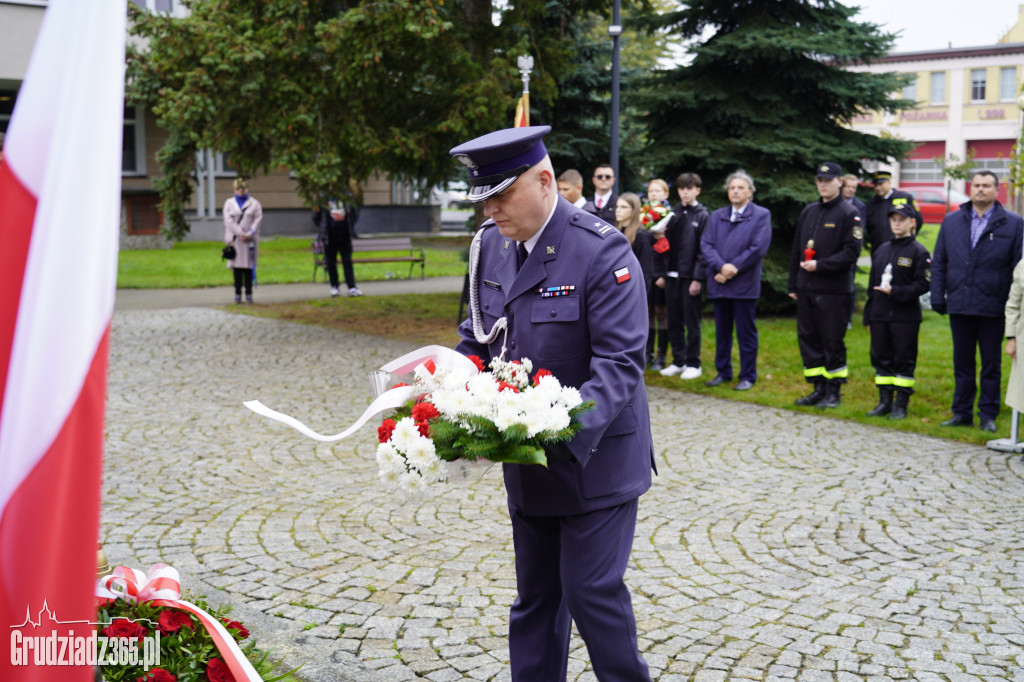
x: 657, y: 365
x: 813, y: 398
x: 958, y: 420
x: 744, y: 385
x: 832, y: 396
x: 986, y: 424
x: 717, y: 381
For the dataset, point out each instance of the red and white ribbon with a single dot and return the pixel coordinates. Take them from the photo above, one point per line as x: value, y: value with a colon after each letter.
x: 389, y: 400
x: 161, y: 586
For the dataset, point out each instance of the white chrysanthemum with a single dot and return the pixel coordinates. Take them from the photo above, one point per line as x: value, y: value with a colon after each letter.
x: 412, y: 483
x: 548, y: 387
x: 391, y: 479
x: 436, y: 472
x: 556, y: 418
x: 389, y: 460
x: 535, y: 422
x: 570, y: 397
x: 405, y: 434
x: 505, y: 416
x: 421, y: 453
x: 527, y: 364
x: 483, y: 387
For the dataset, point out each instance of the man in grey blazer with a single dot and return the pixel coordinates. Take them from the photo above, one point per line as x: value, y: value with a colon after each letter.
x: 572, y: 298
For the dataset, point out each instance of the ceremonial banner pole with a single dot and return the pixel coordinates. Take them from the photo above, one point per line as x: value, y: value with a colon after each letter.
x: 525, y: 63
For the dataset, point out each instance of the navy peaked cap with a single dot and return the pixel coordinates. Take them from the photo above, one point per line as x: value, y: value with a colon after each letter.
x: 904, y: 209
x: 829, y: 170
x: 497, y: 159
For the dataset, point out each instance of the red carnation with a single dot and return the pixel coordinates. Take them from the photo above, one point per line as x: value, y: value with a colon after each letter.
x: 384, y: 431
x: 429, y: 364
x: 477, y: 361
x: 243, y: 632
x: 540, y: 373
x: 170, y: 621
x: 218, y: 671
x: 400, y: 385
x: 126, y: 629
x: 424, y: 429
x: 505, y: 386
x: 157, y: 675
x: 423, y: 411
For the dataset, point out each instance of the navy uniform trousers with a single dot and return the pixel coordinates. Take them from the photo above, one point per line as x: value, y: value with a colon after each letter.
x: 573, y: 522
x: 985, y: 334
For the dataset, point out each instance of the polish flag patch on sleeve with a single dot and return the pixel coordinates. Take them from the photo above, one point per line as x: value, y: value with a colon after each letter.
x: 622, y: 275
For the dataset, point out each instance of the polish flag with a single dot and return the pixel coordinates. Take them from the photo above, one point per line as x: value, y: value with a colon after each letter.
x: 60, y: 190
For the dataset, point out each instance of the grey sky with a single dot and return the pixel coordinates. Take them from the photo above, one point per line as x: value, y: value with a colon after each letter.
x: 934, y: 24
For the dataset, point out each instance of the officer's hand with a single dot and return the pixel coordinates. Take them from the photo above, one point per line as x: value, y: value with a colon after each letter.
x: 695, y: 288
x: 886, y: 290
x: 720, y: 278
x: 940, y: 308
x: 1011, y: 348
x: 730, y: 270
x: 660, y: 282
x: 558, y: 452
x: 810, y: 265
x: 792, y: 296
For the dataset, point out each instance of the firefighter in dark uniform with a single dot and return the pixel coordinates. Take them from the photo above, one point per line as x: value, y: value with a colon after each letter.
x: 900, y: 274
x: 877, y: 231
x: 825, y: 249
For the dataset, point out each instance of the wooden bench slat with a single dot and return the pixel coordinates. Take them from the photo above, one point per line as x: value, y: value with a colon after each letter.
x: 382, y: 244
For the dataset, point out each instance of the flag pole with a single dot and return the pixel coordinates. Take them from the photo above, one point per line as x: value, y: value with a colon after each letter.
x: 525, y: 63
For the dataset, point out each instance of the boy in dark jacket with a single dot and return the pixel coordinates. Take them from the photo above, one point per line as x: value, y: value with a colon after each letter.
x: 900, y: 274
x: 683, y: 268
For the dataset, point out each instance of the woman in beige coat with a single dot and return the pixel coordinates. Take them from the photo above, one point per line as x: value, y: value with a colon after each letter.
x: 242, y: 218
x: 1015, y: 328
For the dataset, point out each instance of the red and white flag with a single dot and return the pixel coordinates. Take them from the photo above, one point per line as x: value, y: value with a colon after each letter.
x: 60, y: 184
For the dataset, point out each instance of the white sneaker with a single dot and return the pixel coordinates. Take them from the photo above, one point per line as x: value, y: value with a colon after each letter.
x: 690, y: 373
x: 672, y: 370
x: 334, y: 291
x: 354, y: 291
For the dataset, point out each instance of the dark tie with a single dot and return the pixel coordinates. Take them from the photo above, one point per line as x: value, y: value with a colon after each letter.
x: 521, y: 255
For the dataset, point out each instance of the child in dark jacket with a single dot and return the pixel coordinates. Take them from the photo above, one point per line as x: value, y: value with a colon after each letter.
x: 900, y: 274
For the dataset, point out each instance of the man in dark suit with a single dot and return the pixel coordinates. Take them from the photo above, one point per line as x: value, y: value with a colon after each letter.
x: 563, y: 288
x: 972, y: 270
x: 605, y: 197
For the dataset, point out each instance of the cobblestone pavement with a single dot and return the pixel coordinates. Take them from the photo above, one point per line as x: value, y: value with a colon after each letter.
x: 774, y: 545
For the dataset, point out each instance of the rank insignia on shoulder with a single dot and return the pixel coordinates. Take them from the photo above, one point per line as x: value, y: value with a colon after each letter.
x: 622, y: 275
x: 550, y: 250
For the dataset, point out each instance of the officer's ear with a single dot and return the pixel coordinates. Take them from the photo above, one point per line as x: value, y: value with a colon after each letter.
x: 546, y: 177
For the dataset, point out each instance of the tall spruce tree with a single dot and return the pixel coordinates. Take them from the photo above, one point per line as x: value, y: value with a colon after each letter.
x: 766, y: 90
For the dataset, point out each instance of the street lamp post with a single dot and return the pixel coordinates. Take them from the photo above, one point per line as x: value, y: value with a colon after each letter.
x: 615, y: 30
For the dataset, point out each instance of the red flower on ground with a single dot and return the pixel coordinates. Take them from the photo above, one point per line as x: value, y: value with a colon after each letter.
x: 505, y: 386
x: 243, y: 632
x: 170, y: 621
x: 423, y: 411
x: 218, y: 671
x: 157, y: 675
x: 384, y: 431
x: 125, y: 628
x: 540, y: 373
x: 477, y: 361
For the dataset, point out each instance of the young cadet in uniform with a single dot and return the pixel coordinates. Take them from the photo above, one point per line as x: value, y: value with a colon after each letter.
x: 573, y: 301
x: 900, y: 274
x: 827, y: 244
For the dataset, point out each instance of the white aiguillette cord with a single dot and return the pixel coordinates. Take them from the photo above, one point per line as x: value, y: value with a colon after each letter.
x: 475, y: 316
x: 389, y: 400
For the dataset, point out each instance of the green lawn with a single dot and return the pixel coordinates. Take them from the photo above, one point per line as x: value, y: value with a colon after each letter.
x: 281, y: 260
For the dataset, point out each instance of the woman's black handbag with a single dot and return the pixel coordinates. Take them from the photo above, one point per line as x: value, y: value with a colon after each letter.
x: 228, y: 252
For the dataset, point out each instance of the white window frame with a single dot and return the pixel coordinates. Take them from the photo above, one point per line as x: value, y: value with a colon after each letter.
x: 1008, y: 84
x: 984, y: 85
x: 940, y: 96
x: 221, y: 169
x: 139, y: 123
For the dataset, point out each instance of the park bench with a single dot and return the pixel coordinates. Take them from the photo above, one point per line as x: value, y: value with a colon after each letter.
x: 397, y: 250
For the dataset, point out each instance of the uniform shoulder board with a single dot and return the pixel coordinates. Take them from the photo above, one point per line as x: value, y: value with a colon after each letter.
x: 592, y: 223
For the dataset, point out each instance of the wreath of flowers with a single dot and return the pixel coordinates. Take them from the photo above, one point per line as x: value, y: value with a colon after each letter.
x: 501, y: 415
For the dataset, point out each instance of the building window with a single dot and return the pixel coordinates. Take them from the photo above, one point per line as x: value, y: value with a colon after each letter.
x: 133, y: 143
x: 1008, y: 84
x: 142, y: 215
x: 910, y: 90
x: 937, y: 92
x: 921, y: 170
x: 222, y: 165
x: 978, y: 79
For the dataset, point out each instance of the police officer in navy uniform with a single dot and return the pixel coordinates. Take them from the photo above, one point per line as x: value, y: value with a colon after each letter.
x: 825, y: 248
x: 560, y: 286
x: 877, y: 210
